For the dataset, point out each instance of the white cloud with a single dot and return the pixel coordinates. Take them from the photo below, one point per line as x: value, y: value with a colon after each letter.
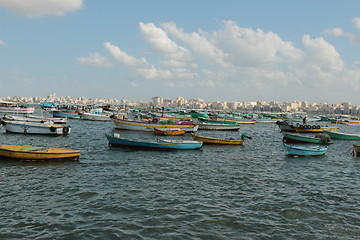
x: 140, y: 65
x: 2, y: 43
x: 335, y: 32
x: 200, y: 45
x: 38, y: 8
x: 175, y: 55
x: 356, y: 22
x: 94, y: 60
x: 322, y: 55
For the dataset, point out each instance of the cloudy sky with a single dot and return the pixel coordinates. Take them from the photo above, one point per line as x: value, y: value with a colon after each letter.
x: 231, y: 50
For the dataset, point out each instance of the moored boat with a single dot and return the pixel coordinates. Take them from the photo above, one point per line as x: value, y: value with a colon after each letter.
x: 160, y: 144
x: 320, y: 138
x: 224, y: 141
x: 96, y: 116
x: 293, y: 150
x: 313, y: 129
x: 128, y: 124
x: 342, y: 136
x: 30, y: 153
x: 169, y: 131
x: 219, y: 127
x: 35, y: 128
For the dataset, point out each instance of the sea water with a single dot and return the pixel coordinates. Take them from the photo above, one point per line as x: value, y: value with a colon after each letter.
x: 252, y: 191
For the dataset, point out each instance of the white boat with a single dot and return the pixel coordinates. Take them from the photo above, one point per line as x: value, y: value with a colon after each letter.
x: 96, y: 116
x: 12, y: 107
x: 219, y: 127
x: 150, y: 125
x: 35, y: 128
x: 34, y: 118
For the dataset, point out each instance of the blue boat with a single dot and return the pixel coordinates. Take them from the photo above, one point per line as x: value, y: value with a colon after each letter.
x: 65, y: 114
x: 116, y: 140
x: 297, y: 150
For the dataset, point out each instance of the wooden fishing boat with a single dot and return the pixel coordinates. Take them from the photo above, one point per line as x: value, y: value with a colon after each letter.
x: 225, y: 141
x: 342, y: 135
x: 160, y: 144
x: 30, y: 153
x: 313, y: 129
x: 286, y: 126
x: 219, y: 127
x: 356, y: 151
x: 128, y: 124
x: 35, y: 128
x: 320, y: 138
x: 352, y: 124
x: 293, y: 150
x: 169, y: 131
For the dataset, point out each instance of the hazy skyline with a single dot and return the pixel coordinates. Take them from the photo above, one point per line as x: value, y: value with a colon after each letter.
x: 215, y: 50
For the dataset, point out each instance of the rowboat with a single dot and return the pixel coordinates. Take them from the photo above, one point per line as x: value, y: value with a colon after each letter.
x: 286, y: 126
x: 219, y: 127
x: 342, y: 135
x: 35, y: 128
x: 356, y: 151
x: 169, y: 131
x: 96, y: 116
x: 225, y: 141
x: 30, y: 153
x: 293, y: 150
x: 128, y: 124
x: 295, y: 138
x: 313, y: 129
x: 160, y: 144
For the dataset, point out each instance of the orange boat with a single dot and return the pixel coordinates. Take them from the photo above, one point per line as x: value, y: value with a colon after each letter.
x: 168, y: 131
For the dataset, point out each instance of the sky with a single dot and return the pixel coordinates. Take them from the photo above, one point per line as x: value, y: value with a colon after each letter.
x: 228, y: 50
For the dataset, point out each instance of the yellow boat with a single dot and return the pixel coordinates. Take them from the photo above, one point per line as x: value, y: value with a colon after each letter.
x: 314, y: 129
x: 226, y: 141
x: 30, y: 153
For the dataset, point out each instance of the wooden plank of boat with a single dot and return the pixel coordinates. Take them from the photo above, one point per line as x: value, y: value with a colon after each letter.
x: 30, y: 153
x: 342, y: 136
x: 163, y: 144
x: 225, y: 141
x: 294, y: 138
x: 169, y: 131
x: 293, y: 150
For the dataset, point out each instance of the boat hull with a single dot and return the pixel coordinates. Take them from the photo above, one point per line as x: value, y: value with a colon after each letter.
x: 168, y: 132
x: 159, y: 145
x: 219, y: 127
x: 29, y: 153
x: 96, y: 117
x: 291, y: 138
x: 149, y: 127
x: 219, y: 141
x: 343, y: 136
x: 36, y: 128
x: 292, y: 150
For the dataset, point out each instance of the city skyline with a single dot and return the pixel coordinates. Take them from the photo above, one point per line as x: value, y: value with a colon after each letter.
x: 219, y: 51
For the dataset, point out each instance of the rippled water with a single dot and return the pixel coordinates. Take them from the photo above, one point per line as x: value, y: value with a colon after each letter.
x: 219, y: 192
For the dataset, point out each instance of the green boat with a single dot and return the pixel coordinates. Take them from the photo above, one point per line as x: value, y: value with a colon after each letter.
x: 294, y: 138
x: 342, y: 136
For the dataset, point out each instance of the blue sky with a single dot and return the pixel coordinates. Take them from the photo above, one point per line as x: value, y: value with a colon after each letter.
x: 229, y: 50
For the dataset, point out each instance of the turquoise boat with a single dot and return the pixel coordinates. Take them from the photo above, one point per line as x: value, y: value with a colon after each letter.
x: 342, y: 136
x: 160, y: 144
x: 295, y: 138
x: 295, y: 150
